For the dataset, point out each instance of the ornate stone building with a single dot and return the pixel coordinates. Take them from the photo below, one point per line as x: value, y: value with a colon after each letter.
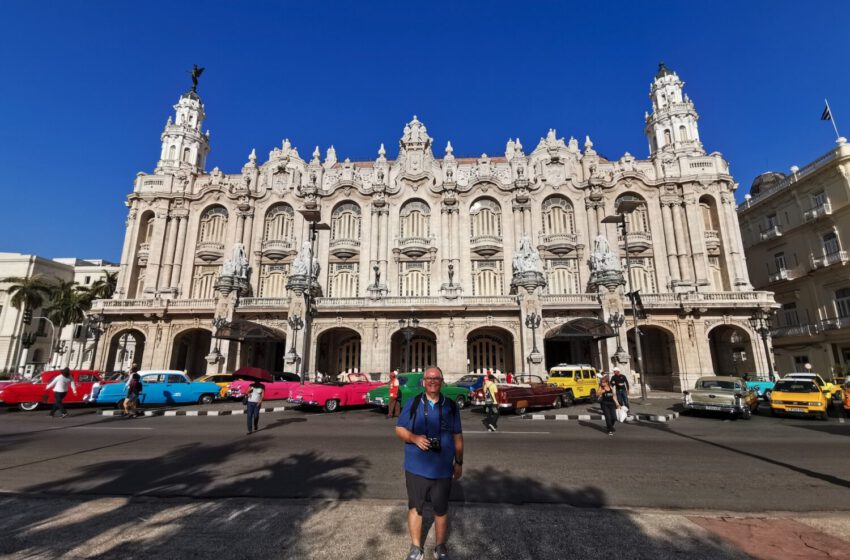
x: 491, y: 262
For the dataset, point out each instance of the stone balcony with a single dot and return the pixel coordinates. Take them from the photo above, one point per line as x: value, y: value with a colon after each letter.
x: 559, y: 243
x: 834, y: 323
x: 414, y: 246
x: 712, y: 239
x: 771, y: 233
x: 153, y: 305
x: 638, y: 241
x: 421, y: 302
x: 795, y: 330
x: 264, y: 304
x: 209, y: 251
x: 830, y: 259
x: 818, y: 211
x: 486, y: 245
x: 277, y: 249
x: 344, y: 248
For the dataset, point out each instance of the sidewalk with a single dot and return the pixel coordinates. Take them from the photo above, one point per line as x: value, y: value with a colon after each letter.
x: 37, y: 527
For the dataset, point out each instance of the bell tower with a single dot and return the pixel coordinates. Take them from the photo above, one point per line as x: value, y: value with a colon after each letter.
x: 672, y: 126
x: 184, y: 146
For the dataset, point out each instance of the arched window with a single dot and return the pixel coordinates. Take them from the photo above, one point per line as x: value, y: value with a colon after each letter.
x: 343, y: 280
x: 639, y: 218
x: 213, y: 225
x: 683, y: 134
x: 186, y: 154
x: 414, y: 279
x: 486, y: 219
x: 415, y: 219
x: 273, y: 280
x: 562, y: 276
x: 558, y: 215
x: 172, y: 152
x: 488, y: 279
x: 668, y: 139
x: 279, y: 223
x: 203, y: 281
x: 345, y: 221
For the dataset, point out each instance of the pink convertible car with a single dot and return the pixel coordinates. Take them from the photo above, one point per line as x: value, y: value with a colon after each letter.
x: 274, y: 390
x: 331, y: 396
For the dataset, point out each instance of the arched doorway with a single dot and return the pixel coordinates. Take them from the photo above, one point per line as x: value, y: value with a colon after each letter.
x: 338, y: 351
x: 660, y: 360
x: 577, y: 342
x: 189, y: 351
x: 422, y: 350
x: 731, y: 351
x: 490, y: 348
x: 126, y: 348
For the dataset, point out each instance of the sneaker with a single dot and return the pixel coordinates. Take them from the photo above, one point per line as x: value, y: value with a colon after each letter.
x: 440, y: 553
x: 610, y: 433
x: 415, y: 553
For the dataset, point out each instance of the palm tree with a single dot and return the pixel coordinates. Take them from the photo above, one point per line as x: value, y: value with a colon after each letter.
x: 68, y: 305
x: 28, y: 293
x: 102, y: 288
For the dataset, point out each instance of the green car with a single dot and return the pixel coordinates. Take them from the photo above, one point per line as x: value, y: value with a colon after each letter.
x: 410, y: 385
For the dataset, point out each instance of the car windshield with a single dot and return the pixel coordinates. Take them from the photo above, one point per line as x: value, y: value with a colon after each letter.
x: 795, y: 386
x: 716, y: 384
x: 467, y: 379
x: 817, y: 379
x: 402, y: 381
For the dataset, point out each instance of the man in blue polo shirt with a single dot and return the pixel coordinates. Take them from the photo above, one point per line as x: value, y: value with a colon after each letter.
x: 429, y: 425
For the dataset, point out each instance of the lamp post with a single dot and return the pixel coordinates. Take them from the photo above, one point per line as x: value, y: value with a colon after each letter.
x: 408, y: 329
x: 52, y: 335
x: 627, y: 205
x: 27, y: 340
x: 760, y: 322
x: 532, y: 321
x: 312, y: 217
x: 735, y: 339
x: 616, y: 321
x: 296, y: 323
x: 96, y: 327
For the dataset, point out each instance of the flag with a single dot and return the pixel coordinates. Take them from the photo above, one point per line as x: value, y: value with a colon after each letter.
x: 826, y: 115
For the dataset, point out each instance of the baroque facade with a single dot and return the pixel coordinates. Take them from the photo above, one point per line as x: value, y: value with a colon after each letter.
x: 487, y: 261
x: 794, y: 228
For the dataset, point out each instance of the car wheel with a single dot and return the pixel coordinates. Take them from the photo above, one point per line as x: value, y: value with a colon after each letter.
x: 557, y: 404
x: 460, y: 402
x: 568, y: 398
x: 746, y: 413
x: 332, y: 405
x: 206, y: 399
x: 520, y: 410
x: 824, y: 415
x: 767, y: 394
x: 28, y: 406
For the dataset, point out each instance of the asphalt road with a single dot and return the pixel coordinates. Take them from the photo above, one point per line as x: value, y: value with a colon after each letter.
x: 764, y: 464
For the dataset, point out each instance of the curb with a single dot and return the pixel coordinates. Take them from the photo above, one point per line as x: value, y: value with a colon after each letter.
x: 587, y: 417
x: 235, y: 412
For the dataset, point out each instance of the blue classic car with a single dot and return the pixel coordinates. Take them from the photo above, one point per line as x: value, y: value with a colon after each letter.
x: 761, y: 385
x: 471, y: 381
x: 163, y: 387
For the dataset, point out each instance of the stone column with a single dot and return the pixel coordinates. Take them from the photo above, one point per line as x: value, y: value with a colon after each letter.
x: 247, y: 231
x: 127, y: 255
x: 374, y: 239
x: 156, y: 250
x: 681, y: 245
x: 592, y: 223
x: 384, y: 244
x: 170, y: 246
x: 696, y: 233
x: 180, y: 250
x: 735, y: 244
x: 670, y: 242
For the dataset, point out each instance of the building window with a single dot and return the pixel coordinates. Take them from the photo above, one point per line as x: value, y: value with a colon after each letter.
x: 279, y: 223
x: 562, y: 276
x: 779, y: 261
x: 842, y: 302
x: 213, y: 225
x: 415, y: 220
x: 414, y: 279
x: 789, y: 310
x: 772, y: 222
x: 558, y: 216
x: 683, y: 134
x: 487, y: 278
x: 800, y: 363
x: 667, y: 138
x: 88, y: 280
x: 345, y: 222
x: 830, y: 244
x: 819, y: 198
x: 204, y: 281
x: 486, y: 219
x: 343, y: 280
x: 273, y: 280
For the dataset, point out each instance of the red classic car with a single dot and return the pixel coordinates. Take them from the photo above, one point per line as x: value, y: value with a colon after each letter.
x: 350, y: 392
x: 28, y: 395
x: 527, y: 391
x: 275, y: 390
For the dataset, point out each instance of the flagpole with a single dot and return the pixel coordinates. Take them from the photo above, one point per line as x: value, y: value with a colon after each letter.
x: 832, y: 119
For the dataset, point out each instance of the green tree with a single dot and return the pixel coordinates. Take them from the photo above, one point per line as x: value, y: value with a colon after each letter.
x: 102, y: 288
x: 68, y: 304
x: 28, y: 293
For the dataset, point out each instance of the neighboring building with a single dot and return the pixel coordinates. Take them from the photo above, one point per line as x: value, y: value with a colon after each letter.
x: 474, y: 248
x: 73, y: 351
x: 796, y: 229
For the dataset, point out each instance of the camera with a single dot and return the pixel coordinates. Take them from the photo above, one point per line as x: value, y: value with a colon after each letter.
x: 434, y: 444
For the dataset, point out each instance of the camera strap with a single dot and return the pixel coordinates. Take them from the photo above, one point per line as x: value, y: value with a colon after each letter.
x: 425, y: 407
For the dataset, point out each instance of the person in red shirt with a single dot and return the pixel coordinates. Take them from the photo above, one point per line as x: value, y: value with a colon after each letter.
x: 509, y: 378
x: 393, y: 409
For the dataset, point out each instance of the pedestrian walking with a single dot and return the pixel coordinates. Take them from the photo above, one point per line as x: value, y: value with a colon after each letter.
x: 491, y: 403
x: 610, y: 404
x: 254, y: 400
x: 394, y: 406
x: 621, y: 386
x: 429, y: 425
x: 60, y: 385
x: 134, y: 389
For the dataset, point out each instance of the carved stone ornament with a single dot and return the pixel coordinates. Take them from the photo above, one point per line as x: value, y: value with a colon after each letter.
x: 605, y: 269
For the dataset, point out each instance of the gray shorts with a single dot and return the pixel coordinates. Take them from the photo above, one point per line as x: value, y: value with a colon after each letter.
x: 421, y: 490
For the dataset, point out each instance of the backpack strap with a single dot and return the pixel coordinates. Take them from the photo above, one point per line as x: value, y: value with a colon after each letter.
x: 414, y: 407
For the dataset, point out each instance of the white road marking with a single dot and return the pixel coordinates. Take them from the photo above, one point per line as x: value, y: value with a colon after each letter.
x: 501, y: 432
x: 105, y: 428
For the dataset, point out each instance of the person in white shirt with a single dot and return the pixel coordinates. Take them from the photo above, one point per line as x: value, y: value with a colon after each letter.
x: 60, y: 385
x: 255, y: 399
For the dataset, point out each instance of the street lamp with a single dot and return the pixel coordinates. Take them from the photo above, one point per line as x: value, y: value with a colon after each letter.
x: 623, y: 206
x: 760, y: 322
x: 616, y: 321
x: 312, y: 217
x: 734, y: 340
x: 52, y: 334
x: 296, y: 323
x: 408, y: 329
x: 60, y: 349
x: 532, y: 321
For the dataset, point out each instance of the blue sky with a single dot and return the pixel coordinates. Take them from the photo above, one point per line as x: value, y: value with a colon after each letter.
x: 87, y: 87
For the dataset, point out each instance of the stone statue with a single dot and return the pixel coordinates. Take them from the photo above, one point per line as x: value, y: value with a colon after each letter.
x: 526, y: 258
x: 237, y: 264
x: 301, y: 264
x: 196, y: 73
x: 603, y: 259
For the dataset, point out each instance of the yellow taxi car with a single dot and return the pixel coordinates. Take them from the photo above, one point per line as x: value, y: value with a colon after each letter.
x: 223, y: 380
x: 799, y: 396
x: 831, y: 390
x: 579, y: 381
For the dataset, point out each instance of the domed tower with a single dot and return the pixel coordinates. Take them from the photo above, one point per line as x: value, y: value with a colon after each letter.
x: 184, y: 146
x: 672, y: 126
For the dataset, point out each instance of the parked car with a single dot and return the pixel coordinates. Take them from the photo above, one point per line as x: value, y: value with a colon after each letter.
x: 727, y: 394
x: 334, y: 394
x: 223, y: 380
x: 830, y: 389
x: 28, y: 395
x: 528, y: 391
x: 276, y: 390
x: 761, y: 384
x: 579, y: 381
x: 410, y: 385
x: 162, y: 387
x: 799, y: 396
x: 470, y: 382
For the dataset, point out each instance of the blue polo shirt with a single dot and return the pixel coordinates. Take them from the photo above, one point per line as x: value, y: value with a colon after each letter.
x: 426, y: 422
